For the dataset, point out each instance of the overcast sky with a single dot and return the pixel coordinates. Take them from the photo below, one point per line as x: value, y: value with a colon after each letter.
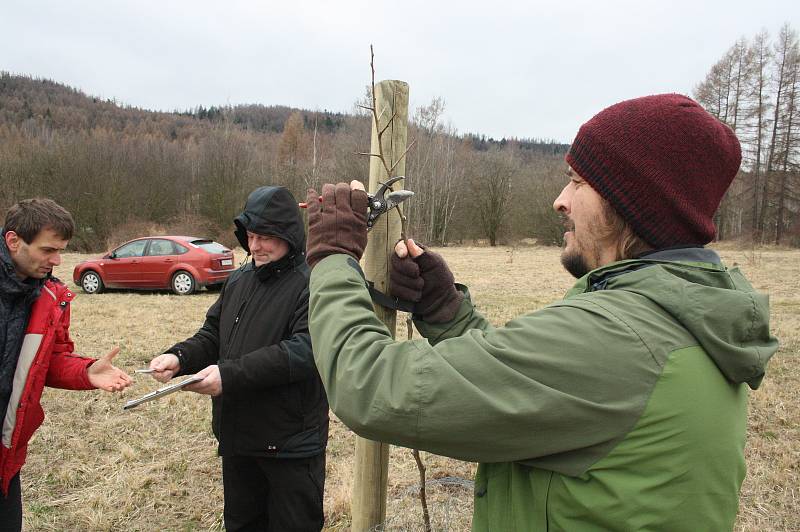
x: 504, y: 69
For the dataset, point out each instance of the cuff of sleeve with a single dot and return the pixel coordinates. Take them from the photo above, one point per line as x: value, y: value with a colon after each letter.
x: 227, y: 374
x: 434, y: 330
x: 86, y: 384
x: 181, y: 360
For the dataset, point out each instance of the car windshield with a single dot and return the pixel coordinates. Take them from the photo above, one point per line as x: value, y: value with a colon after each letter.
x: 210, y: 246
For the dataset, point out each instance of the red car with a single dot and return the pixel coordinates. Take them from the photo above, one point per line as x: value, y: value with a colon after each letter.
x: 180, y: 263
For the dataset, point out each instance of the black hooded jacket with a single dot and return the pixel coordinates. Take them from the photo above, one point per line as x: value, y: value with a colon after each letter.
x: 16, y: 299
x: 272, y: 402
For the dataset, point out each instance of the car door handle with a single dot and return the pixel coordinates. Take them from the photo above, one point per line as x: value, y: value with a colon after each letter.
x: 167, y: 260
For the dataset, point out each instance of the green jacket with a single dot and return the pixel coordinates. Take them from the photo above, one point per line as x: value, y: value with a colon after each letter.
x: 621, y: 407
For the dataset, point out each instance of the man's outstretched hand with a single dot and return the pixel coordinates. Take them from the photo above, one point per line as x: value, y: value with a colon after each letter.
x: 337, y: 223
x: 423, y: 276
x: 104, y: 375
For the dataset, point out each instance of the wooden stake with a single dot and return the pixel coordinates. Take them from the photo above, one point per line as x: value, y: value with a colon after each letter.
x: 371, y: 467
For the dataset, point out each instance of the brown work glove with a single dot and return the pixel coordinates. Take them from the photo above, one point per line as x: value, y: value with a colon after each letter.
x: 405, y: 281
x: 428, y: 281
x: 337, y: 224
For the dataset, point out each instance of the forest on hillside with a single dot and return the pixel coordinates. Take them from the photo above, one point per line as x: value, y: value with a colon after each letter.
x: 123, y: 171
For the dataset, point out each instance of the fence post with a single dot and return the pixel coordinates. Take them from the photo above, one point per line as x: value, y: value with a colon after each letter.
x: 370, y: 471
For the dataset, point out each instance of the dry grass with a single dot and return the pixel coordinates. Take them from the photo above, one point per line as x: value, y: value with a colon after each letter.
x: 94, y: 467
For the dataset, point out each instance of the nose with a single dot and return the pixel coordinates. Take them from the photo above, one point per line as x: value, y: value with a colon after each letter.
x: 55, y: 260
x: 561, y: 204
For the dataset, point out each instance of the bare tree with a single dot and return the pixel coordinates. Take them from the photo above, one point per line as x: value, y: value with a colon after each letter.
x: 491, y: 190
x: 758, y: 115
x: 789, y: 175
x: 435, y: 172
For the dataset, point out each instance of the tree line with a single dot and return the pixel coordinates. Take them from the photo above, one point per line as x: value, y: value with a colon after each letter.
x: 120, y: 170
x: 755, y: 89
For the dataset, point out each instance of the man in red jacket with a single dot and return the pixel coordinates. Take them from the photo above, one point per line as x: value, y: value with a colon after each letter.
x: 35, y: 347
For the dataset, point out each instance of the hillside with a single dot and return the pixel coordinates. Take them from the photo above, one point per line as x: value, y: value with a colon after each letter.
x: 116, y: 167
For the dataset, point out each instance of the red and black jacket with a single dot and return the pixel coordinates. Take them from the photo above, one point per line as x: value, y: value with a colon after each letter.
x: 46, y: 358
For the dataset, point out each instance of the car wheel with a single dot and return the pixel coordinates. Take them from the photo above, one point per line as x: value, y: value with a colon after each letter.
x: 91, y: 283
x: 183, y: 283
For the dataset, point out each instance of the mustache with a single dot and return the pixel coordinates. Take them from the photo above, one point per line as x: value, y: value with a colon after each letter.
x: 568, y: 224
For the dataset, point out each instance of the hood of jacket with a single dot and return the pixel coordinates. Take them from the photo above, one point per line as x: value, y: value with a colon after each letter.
x: 717, y: 305
x: 272, y: 211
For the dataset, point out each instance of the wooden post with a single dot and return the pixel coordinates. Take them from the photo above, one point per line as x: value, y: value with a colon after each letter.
x: 370, y: 472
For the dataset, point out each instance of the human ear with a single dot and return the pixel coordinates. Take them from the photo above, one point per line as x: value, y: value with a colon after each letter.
x: 12, y: 241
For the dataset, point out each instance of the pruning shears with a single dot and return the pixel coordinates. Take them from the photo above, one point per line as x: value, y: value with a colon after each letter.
x: 380, y: 202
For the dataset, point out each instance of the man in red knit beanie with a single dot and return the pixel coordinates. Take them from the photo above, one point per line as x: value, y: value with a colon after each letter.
x: 622, y: 406
x: 662, y: 164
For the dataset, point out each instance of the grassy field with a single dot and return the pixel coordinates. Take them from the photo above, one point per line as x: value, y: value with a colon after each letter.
x: 93, y: 466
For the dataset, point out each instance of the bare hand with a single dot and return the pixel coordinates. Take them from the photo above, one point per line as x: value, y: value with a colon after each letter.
x: 104, y: 375
x: 211, y: 383
x: 402, y: 251
x: 165, y: 367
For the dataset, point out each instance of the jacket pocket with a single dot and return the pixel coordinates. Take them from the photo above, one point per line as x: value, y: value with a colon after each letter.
x: 301, y: 445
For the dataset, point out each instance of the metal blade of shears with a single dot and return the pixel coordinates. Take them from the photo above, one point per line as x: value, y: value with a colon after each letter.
x: 381, y: 202
x: 393, y: 199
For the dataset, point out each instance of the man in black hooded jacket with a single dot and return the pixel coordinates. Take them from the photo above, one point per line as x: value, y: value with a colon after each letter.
x: 270, y: 413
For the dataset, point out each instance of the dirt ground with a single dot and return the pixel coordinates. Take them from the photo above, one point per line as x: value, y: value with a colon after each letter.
x: 93, y: 466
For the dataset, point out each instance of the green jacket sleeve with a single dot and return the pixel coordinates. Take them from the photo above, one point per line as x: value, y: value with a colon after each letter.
x: 531, y: 389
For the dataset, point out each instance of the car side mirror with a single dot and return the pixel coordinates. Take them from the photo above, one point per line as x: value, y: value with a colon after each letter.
x: 112, y: 255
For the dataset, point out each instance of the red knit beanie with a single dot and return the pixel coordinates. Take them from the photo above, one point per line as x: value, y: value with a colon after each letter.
x: 662, y: 162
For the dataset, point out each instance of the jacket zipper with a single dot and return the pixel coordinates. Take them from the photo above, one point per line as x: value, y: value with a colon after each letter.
x: 231, y: 336
x: 236, y: 320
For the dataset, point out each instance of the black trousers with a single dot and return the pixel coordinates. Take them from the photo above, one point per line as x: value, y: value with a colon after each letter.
x: 273, y: 495
x: 11, y: 507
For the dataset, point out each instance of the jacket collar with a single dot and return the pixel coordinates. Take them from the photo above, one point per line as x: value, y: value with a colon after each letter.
x: 598, y: 279
x: 693, y: 254
x: 279, y: 267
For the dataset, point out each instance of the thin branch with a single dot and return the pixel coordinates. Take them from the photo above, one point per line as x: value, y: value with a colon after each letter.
x: 381, y: 114
x: 423, y: 497
x: 403, y: 226
x: 375, y: 112
x: 401, y: 157
x: 389, y: 123
x: 380, y: 131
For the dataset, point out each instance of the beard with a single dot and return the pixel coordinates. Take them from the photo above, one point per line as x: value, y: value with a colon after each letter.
x: 573, y: 260
x: 575, y: 263
x: 583, y: 254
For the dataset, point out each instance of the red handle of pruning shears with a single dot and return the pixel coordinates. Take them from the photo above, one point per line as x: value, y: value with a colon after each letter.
x: 304, y: 205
